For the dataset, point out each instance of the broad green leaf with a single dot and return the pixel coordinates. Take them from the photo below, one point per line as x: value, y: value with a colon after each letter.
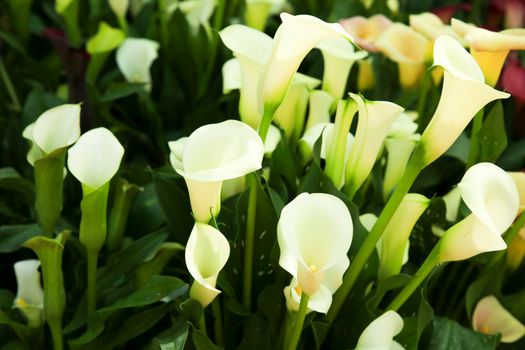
x: 11, y: 180
x: 174, y: 338
x: 492, y: 137
x: 116, y: 91
x: 488, y: 283
x: 12, y: 237
x: 202, y: 342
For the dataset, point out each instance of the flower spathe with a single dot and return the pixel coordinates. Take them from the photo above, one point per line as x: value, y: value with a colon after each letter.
x: 381, y: 332
x: 491, y: 195
x: 95, y: 158
x: 319, y: 302
x: 490, y: 317
x: 431, y: 26
x: 211, y: 154
x: 366, y: 30
x: 463, y: 94
x: 119, y: 7
x: 134, y: 59
x: 319, y: 105
x: 206, y: 254
x: 30, y: 295
x: 314, y: 234
x: 105, y: 40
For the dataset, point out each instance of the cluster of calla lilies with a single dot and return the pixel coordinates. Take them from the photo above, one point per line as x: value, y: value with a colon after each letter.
x: 314, y: 230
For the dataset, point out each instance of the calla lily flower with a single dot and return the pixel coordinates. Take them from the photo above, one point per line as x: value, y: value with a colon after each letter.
x: 490, y: 49
x: 314, y: 234
x: 211, y: 154
x: 431, y: 26
x: 375, y: 119
x: 30, y: 295
x: 311, y: 136
x: 105, y: 40
x: 464, y: 93
x: 491, y: 195
x: 231, y: 76
x: 365, y: 75
x: 381, y: 332
x: 319, y: 302
x: 366, y: 30
x: 252, y: 49
x: 207, y: 252
x: 338, y: 57
x: 56, y: 128
x: 295, y: 37
x: 197, y: 12
x: 408, y: 48
x: 134, y: 59
x: 319, y: 105
x: 257, y: 12
x: 490, y: 317
x: 394, y: 240
x: 95, y: 158
x: 119, y: 7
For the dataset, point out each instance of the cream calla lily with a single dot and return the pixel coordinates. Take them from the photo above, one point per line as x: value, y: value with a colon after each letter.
x: 252, y: 49
x: 211, y: 154
x: 231, y: 76
x: 381, y: 332
x: 134, y: 59
x: 95, y: 158
x: 408, y: 48
x: 493, y: 199
x: 490, y: 317
x: 319, y: 104
x: 295, y: 37
x: 30, y: 295
x: 207, y: 252
x: 464, y: 93
x: 319, y: 302
x: 56, y: 128
x: 366, y: 30
x: 431, y: 26
x: 197, y: 12
x: 375, y: 119
x: 338, y: 57
x: 314, y: 234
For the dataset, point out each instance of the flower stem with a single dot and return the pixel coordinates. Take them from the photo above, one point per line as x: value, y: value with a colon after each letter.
x: 216, y: 308
x: 414, y: 167
x: 91, y: 286
x: 202, y: 323
x: 298, y: 327
x: 266, y: 121
x: 219, y: 15
x: 9, y: 87
x: 248, y: 241
x: 56, y: 334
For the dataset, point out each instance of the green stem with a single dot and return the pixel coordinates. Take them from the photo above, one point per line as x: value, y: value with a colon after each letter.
x: 285, y: 330
x: 430, y: 262
x: 56, y: 334
x: 71, y: 22
x: 91, y: 286
x: 202, y: 323
x: 216, y: 308
x: 9, y: 87
x: 298, y: 327
x: 248, y: 241
x: 474, y: 144
x: 414, y: 167
x: 508, y: 237
x: 219, y: 15
x: 266, y: 121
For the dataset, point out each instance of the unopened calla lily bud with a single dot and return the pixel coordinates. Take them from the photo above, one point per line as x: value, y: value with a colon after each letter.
x: 464, y: 93
x: 375, y: 119
x: 211, y: 154
x: 314, y: 234
x: 134, y: 59
x: 490, y: 317
x: 207, y: 252
x: 493, y: 199
x: 381, y: 332
x: 30, y: 295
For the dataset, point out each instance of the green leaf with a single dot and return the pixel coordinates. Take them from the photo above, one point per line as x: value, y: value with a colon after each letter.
x: 12, y: 237
x: 460, y: 148
x: 116, y: 91
x: 11, y: 180
x: 488, y: 283
x: 174, y: 338
x: 202, y: 342
x: 492, y: 137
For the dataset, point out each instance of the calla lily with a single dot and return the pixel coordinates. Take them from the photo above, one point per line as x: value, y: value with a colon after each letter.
x: 56, y: 128
x: 30, y: 295
x: 257, y: 12
x: 375, y: 119
x: 431, y: 26
x: 206, y: 254
x: 365, y: 75
x: 464, y: 93
x: 314, y: 234
x: 311, y: 136
x: 394, y: 240
x: 490, y: 49
x: 105, y: 40
x: 381, y: 332
x: 197, y: 12
x: 119, y: 7
x: 95, y: 158
x: 211, y: 154
x: 516, y: 251
x: 231, y: 76
x: 408, y: 48
x: 319, y: 104
x: 252, y: 49
x: 338, y: 57
x: 490, y: 317
x: 295, y: 37
x: 319, y: 302
x: 366, y: 30
x: 493, y: 199
x: 134, y: 59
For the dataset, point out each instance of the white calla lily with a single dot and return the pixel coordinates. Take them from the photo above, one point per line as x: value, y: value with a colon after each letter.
x: 207, y: 252
x: 338, y: 56
x: 231, y: 76
x: 30, y: 295
x: 295, y: 37
x: 197, y: 12
x: 314, y: 234
x: 211, y: 154
x: 493, y: 199
x: 490, y: 317
x: 464, y: 93
x: 95, y: 158
x: 319, y: 302
x: 375, y: 120
x: 319, y: 105
x: 431, y: 26
x: 381, y: 332
x: 134, y: 59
